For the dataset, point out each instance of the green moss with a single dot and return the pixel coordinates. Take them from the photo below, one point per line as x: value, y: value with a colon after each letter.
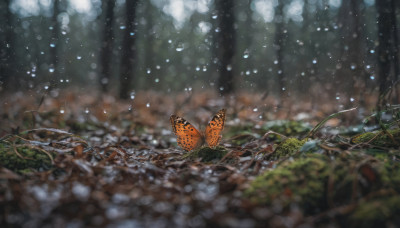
x: 377, y: 213
x: 287, y: 127
x: 379, y: 138
x: 31, y: 159
x: 288, y: 148
x: 315, y: 181
x: 206, y: 154
x: 302, y: 181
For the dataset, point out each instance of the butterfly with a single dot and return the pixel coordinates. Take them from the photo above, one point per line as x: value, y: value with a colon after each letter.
x: 189, y: 138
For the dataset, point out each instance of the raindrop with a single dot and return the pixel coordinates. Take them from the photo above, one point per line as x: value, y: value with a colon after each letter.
x: 214, y: 16
x: 246, y: 54
x: 337, y: 98
x: 351, y: 99
x: 158, y: 67
x: 260, y: 117
x: 318, y: 29
x: 247, y: 72
x: 156, y: 80
x: 279, y: 71
x: 217, y: 29
x: 46, y: 87
x: 61, y: 80
x: 78, y: 57
x: 130, y: 108
x: 197, y: 68
x: 105, y: 111
x: 33, y: 75
x: 148, y: 70
x: 167, y: 60
x: 204, y: 68
x: 372, y: 51
x: 148, y: 105
x: 221, y: 88
x: 52, y: 45
x: 283, y: 88
x: 180, y: 47
x: 122, y: 27
x: 314, y: 61
x: 353, y: 66
x: 131, y: 33
x: 275, y: 61
x: 229, y: 67
x: 51, y: 69
x: 169, y: 41
x: 132, y: 95
x: 66, y: 80
x: 255, y: 109
x: 86, y: 110
x: 326, y: 29
x: 62, y: 111
x: 42, y: 52
x: 255, y: 71
x: 303, y: 74
x: 368, y: 66
x: 51, y: 28
x: 64, y: 32
x: 372, y: 77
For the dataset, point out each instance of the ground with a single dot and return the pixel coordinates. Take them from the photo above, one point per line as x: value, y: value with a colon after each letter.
x: 74, y: 159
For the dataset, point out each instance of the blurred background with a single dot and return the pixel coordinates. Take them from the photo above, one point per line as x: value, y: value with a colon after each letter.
x: 339, y: 51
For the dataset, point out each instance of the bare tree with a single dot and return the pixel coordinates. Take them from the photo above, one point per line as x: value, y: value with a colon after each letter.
x: 225, y: 46
x: 279, y: 43
x: 128, y: 61
x: 54, y: 42
x: 7, y: 48
x: 107, y: 44
x: 385, y: 48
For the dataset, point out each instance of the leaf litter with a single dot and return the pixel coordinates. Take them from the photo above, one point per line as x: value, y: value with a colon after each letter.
x: 105, y: 162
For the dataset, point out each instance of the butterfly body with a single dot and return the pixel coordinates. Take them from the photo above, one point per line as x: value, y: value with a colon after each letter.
x: 189, y: 138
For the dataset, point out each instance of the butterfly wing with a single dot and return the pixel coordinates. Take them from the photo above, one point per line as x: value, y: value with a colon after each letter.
x: 214, y: 128
x: 188, y: 137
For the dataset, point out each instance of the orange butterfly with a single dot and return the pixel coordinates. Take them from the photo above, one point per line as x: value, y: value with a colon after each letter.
x: 189, y: 138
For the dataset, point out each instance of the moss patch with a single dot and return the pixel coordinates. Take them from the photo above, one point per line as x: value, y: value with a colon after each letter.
x: 318, y: 182
x: 206, y: 154
x: 288, y: 148
x: 287, y: 127
x: 377, y: 213
x: 302, y: 181
x: 30, y: 159
x: 379, y: 138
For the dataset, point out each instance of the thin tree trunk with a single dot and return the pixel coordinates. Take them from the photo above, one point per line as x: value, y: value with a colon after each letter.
x: 107, y: 44
x: 384, y: 48
x: 395, y: 50
x: 7, y: 51
x: 226, y: 45
x: 279, y: 44
x: 54, y: 42
x: 129, y: 50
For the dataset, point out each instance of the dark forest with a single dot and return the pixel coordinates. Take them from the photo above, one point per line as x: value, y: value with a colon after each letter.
x: 209, y: 113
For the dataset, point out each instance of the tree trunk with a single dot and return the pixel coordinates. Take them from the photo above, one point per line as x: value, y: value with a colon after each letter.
x: 280, y: 39
x: 129, y: 50
x: 395, y: 50
x: 7, y: 50
x: 384, y: 51
x: 226, y: 45
x: 54, y: 43
x: 107, y: 44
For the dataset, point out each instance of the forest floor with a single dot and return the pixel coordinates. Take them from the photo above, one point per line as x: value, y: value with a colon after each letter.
x: 76, y: 159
